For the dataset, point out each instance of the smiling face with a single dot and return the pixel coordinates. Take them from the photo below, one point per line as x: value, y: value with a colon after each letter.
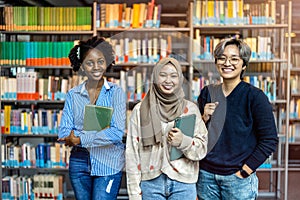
x: 168, y: 79
x: 229, y: 64
x: 94, y: 65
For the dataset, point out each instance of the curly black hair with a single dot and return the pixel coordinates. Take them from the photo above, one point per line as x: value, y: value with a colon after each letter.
x: 79, y: 51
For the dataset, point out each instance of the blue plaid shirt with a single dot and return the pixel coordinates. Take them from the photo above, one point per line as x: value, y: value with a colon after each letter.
x: 106, y: 147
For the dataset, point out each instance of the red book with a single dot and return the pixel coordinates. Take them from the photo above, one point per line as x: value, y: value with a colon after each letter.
x: 150, y: 10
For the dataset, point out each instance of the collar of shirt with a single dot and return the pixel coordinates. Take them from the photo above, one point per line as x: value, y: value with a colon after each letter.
x: 83, y: 91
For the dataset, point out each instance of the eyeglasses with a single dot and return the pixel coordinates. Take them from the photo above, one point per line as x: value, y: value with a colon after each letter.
x: 233, y: 60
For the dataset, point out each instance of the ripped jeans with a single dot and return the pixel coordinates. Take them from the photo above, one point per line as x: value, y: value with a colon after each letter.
x: 215, y: 187
x: 87, y: 187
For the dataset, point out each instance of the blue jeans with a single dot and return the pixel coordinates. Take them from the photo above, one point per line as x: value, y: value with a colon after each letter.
x: 212, y: 186
x: 162, y: 188
x: 87, y: 187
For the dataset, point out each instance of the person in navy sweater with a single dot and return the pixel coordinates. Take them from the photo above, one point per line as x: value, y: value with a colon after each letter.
x: 241, y: 128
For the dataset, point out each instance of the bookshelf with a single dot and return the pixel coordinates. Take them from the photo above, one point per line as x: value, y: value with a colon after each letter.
x: 46, y: 48
x: 294, y: 125
x: 180, y: 41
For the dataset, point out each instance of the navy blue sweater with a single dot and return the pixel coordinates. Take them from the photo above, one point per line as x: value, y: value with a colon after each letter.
x: 248, y: 134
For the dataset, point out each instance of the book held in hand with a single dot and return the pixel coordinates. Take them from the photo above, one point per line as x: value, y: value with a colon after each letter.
x: 96, y: 117
x: 187, y: 126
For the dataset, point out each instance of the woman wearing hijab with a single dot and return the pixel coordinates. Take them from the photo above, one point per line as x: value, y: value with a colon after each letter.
x: 150, y: 172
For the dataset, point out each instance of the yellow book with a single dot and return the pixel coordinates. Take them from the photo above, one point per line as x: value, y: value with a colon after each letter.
x: 107, y: 15
x: 96, y: 117
x: 7, y: 111
x: 136, y: 15
x: 210, y: 9
x: 230, y: 9
x: 240, y: 10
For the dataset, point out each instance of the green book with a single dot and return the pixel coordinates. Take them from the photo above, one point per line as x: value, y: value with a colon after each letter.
x: 187, y: 126
x: 96, y: 118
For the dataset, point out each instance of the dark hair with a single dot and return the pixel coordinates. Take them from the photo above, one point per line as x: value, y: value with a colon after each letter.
x: 245, y: 50
x: 79, y: 51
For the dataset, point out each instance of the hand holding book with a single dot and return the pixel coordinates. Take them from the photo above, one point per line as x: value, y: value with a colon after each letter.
x: 70, y: 140
x: 187, y: 126
x: 175, y: 137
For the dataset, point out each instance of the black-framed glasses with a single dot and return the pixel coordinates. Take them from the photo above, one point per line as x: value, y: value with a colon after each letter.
x: 232, y: 60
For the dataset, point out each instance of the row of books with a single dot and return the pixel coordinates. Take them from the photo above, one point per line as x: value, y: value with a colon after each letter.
x: 31, y: 122
x: 233, y: 12
x: 46, y: 186
x: 203, y: 47
x: 135, y: 50
x: 295, y: 108
x: 43, y: 155
x: 199, y: 82
x: 147, y: 50
x: 31, y: 85
x: 266, y: 84
x: 295, y: 56
x: 120, y: 15
x: 35, y: 53
x: 24, y: 18
x: 135, y: 82
x: 295, y: 84
x: 294, y: 132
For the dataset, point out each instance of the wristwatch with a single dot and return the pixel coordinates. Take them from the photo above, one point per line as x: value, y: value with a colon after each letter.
x: 244, y: 173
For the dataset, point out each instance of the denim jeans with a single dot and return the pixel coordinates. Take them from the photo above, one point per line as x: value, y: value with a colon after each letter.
x: 87, y: 187
x: 162, y: 188
x: 230, y: 187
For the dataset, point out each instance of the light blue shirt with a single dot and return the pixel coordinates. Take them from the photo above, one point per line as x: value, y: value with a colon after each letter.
x: 106, y: 147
